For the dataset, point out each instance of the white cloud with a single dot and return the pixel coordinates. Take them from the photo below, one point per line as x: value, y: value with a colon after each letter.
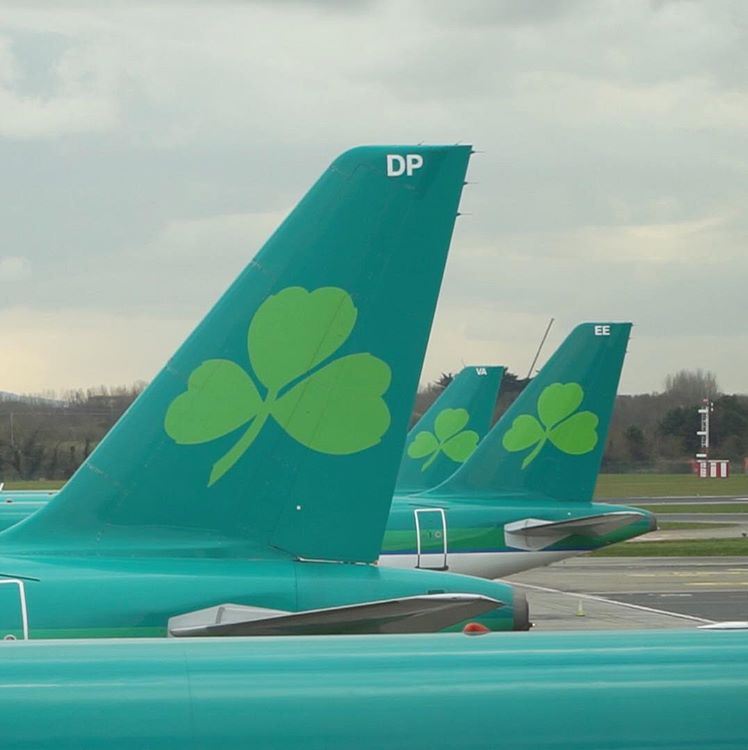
x: 81, y: 101
x: 227, y: 236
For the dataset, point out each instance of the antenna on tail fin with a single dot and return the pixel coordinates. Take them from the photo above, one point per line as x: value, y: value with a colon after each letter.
x: 540, y: 348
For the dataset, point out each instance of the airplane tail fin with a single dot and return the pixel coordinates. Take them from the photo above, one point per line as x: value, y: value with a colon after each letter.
x: 278, y: 426
x: 450, y: 430
x: 551, y: 439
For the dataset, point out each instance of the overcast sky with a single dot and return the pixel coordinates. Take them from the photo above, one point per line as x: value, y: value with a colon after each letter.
x: 146, y: 153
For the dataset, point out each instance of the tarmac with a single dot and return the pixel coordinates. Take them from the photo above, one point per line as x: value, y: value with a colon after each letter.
x: 731, y: 531
x: 678, y: 500
x: 608, y: 593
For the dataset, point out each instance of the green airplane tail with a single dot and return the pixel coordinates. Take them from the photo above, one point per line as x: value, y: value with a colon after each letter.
x: 450, y: 430
x: 551, y: 440
x: 278, y: 426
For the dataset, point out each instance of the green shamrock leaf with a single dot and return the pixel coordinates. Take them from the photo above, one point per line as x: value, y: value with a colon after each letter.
x: 525, y: 431
x: 450, y: 438
x: 558, y: 401
x: 336, y: 409
x: 294, y: 330
x: 570, y: 431
x: 220, y: 398
x: 424, y: 444
x: 460, y: 447
x: 325, y: 411
x: 577, y: 435
x: 449, y: 422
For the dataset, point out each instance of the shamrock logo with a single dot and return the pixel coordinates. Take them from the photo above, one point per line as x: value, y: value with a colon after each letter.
x: 450, y: 439
x: 335, y: 409
x: 572, y: 433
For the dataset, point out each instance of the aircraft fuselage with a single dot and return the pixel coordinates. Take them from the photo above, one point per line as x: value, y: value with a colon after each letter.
x: 474, y: 536
x: 134, y: 596
x: 623, y: 690
x: 477, y: 543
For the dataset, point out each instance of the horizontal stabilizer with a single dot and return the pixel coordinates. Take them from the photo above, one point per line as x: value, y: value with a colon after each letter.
x: 727, y: 625
x: 413, y: 614
x: 535, y: 533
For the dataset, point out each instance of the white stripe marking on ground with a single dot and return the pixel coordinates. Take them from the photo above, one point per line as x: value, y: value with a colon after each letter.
x: 594, y: 598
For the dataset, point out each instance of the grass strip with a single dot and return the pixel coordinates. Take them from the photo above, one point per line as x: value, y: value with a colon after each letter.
x: 34, y: 484
x: 670, y: 525
x: 667, y: 485
x: 680, y: 548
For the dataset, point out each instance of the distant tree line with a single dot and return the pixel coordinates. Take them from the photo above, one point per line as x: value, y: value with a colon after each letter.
x: 651, y: 431
x: 49, y: 437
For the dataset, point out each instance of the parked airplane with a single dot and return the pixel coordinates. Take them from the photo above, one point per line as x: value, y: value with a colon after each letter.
x: 508, y: 509
x: 285, y: 413
x: 524, y: 497
x: 587, y: 690
x: 450, y: 430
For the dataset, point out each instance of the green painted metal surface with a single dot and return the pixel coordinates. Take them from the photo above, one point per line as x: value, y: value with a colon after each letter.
x: 15, y: 508
x: 448, y: 433
x: 539, y: 461
x: 478, y: 526
x: 284, y: 413
x: 550, y: 441
x: 583, y: 691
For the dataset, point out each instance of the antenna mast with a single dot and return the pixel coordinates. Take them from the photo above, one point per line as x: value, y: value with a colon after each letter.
x: 537, y: 353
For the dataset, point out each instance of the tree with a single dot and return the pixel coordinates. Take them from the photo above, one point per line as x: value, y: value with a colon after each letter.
x: 691, y: 387
x: 428, y: 394
x: 681, y: 423
x: 512, y: 383
x: 511, y: 387
x: 636, y: 444
x: 729, y: 428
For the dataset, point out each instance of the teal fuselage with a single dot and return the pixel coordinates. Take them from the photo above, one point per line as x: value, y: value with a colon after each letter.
x: 476, y: 540
x: 15, y: 506
x: 664, y: 690
x: 134, y: 596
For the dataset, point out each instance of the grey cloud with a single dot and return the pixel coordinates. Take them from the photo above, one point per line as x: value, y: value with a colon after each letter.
x: 611, y: 131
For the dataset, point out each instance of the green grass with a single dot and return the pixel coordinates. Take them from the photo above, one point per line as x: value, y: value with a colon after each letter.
x: 684, y: 548
x: 35, y: 484
x: 665, y: 525
x: 667, y: 485
x: 664, y: 509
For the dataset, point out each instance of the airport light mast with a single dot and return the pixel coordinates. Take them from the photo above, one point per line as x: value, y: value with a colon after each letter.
x: 705, y: 467
x: 703, y: 433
